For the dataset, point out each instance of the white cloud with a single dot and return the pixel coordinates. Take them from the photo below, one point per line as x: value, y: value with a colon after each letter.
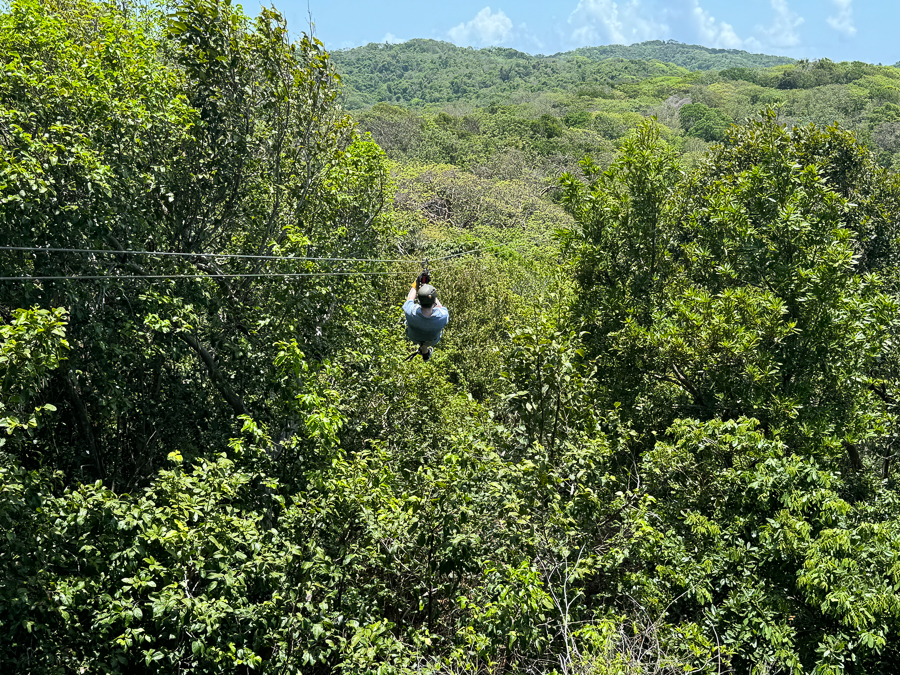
x: 712, y: 33
x: 485, y: 29
x: 783, y: 31
x: 599, y: 21
x: 843, y: 20
x: 528, y: 40
x: 391, y: 39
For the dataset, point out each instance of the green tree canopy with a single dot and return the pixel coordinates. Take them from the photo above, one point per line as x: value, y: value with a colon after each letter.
x: 748, y: 297
x: 213, y: 134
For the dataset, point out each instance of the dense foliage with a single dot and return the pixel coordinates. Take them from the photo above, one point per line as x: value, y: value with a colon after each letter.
x: 430, y: 101
x: 427, y: 71
x: 692, y: 57
x: 658, y: 435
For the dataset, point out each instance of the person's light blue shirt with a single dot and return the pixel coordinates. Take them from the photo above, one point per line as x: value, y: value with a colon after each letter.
x: 420, y: 328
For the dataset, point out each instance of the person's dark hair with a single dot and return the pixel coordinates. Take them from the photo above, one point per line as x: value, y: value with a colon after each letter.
x: 427, y: 294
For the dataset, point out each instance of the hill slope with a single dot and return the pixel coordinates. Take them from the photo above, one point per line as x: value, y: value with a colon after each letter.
x: 692, y: 57
x: 428, y: 71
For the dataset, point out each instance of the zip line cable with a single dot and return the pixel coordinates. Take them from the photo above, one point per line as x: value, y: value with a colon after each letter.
x: 285, y: 275
x: 48, y: 249
x: 203, y: 276
x: 45, y: 249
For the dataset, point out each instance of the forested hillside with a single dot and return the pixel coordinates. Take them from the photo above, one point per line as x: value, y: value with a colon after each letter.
x: 428, y: 71
x: 658, y: 434
x: 424, y: 100
x: 692, y: 57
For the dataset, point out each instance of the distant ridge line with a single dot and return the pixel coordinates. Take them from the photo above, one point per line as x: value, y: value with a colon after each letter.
x: 636, y: 51
x: 424, y: 71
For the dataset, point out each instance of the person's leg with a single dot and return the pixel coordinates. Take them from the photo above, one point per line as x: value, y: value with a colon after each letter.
x: 425, y: 349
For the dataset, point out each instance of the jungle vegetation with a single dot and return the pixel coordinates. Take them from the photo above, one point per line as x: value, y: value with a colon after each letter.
x: 658, y: 436
x: 416, y: 72
x: 424, y: 100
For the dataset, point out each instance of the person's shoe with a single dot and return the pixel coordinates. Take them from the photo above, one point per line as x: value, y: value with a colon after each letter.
x: 427, y: 355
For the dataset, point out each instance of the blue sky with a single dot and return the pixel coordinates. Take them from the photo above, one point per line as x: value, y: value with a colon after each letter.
x: 842, y: 30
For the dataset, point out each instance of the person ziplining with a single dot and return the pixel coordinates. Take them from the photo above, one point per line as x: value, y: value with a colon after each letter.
x: 426, y: 320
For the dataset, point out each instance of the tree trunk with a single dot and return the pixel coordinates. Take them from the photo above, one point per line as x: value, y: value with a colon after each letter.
x: 84, y: 422
x: 216, y: 375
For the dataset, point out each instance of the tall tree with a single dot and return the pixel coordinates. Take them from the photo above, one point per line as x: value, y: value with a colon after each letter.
x: 750, y: 354
x: 208, y: 134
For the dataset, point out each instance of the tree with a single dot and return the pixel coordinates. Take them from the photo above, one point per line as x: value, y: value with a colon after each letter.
x: 751, y: 359
x: 210, y: 134
x: 710, y: 124
x: 548, y: 126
